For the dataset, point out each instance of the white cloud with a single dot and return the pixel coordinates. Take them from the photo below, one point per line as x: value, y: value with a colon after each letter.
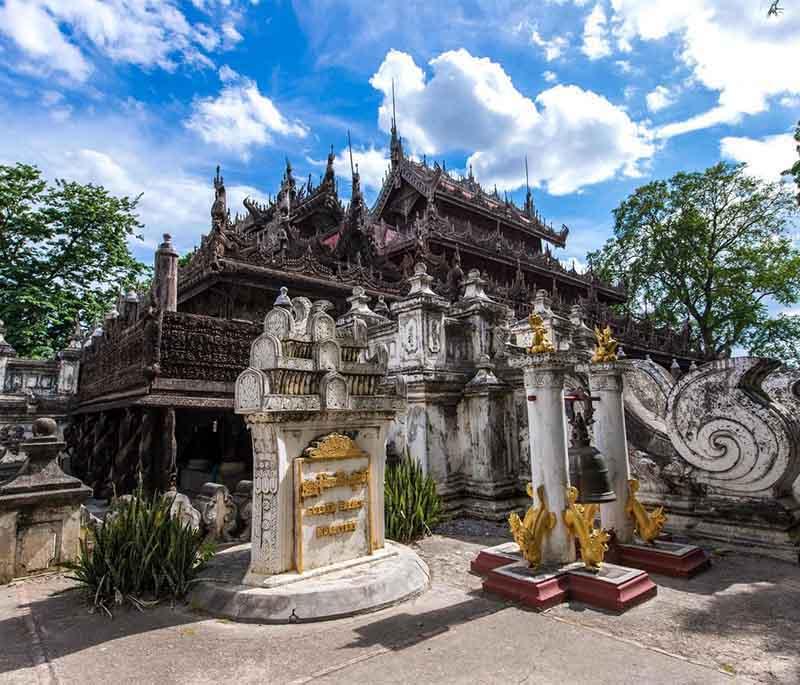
x: 240, y: 117
x: 765, y: 157
x: 659, y: 98
x: 372, y: 164
x: 119, y: 153
x: 595, y: 34
x: 55, y: 36
x: 552, y: 48
x: 550, y: 76
x: 36, y: 33
x: 572, y: 137
x: 730, y: 46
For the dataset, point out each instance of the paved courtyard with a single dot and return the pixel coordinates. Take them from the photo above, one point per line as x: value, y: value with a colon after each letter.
x: 735, y: 623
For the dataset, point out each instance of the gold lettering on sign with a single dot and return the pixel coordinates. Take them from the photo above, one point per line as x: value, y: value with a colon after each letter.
x: 333, y: 507
x: 325, y: 481
x: 335, y: 529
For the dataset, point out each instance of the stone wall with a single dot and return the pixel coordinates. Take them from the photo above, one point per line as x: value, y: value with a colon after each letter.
x: 29, y: 389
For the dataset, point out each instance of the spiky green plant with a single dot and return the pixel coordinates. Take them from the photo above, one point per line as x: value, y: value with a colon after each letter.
x: 140, y: 555
x: 412, y: 506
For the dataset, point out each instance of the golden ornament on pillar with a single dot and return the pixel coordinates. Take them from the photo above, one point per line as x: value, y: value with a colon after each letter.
x: 540, y: 343
x: 529, y: 532
x: 579, y: 519
x: 606, y: 349
x: 648, y: 525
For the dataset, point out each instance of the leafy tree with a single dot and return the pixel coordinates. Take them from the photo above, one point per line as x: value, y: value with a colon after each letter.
x: 778, y: 338
x: 63, y: 256
x: 708, y: 247
x: 795, y: 170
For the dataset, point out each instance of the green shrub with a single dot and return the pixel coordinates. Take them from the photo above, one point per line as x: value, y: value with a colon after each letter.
x: 140, y: 555
x: 411, y: 504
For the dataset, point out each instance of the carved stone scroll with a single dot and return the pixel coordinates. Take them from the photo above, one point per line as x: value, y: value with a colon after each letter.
x: 721, y: 422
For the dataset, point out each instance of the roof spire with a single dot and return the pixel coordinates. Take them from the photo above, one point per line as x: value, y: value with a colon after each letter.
x: 528, y: 196
x: 350, y: 147
x: 396, y: 144
x: 330, y: 175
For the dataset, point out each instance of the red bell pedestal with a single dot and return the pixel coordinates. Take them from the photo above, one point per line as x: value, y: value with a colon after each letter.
x: 492, y: 557
x: 615, y: 588
x: 537, y: 589
x: 667, y: 558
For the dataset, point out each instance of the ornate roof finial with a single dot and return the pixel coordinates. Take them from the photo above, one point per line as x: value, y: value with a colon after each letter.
x: 528, y: 196
x: 330, y: 175
x: 396, y: 143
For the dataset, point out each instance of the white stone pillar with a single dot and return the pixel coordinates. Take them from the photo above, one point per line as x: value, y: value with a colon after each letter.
x: 544, y: 386
x: 272, y: 532
x: 605, y: 381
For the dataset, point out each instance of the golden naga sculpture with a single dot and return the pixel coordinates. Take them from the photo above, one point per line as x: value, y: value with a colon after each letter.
x: 648, y: 525
x: 529, y: 532
x: 580, y: 522
x: 606, y: 350
x: 540, y: 342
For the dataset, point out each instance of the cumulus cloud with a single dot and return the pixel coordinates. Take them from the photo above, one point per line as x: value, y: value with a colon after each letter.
x: 765, y: 157
x: 729, y: 46
x: 118, y: 152
x: 552, y: 48
x: 550, y: 76
x: 240, y: 117
x: 659, y: 98
x: 572, y: 137
x: 372, y: 164
x: 595, y: 34
x: 55, y: 36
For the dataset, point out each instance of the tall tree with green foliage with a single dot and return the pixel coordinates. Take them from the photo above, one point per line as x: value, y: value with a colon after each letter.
x: 712, y: 248
x: 64, y: 255
x: 795, y: 170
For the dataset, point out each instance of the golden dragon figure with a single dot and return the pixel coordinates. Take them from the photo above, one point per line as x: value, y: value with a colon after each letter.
x: 529, y: 532
x: 540, y: 342
x: 648, y: 524
x: 606, y: 349
x: 580, y: 522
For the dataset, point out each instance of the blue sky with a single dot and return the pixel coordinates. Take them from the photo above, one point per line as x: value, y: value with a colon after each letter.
x: 602, y: 96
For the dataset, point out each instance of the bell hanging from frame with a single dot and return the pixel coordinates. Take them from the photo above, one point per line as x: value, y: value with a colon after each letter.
x: 588, y: 472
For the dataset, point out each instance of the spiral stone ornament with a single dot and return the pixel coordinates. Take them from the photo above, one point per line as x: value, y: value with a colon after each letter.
x: 722, y: 422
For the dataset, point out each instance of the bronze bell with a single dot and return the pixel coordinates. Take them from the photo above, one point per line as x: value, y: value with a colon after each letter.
x: 588, y: 472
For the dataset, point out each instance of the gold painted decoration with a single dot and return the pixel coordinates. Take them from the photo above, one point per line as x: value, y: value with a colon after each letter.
x: 529, y: 532
x: 334, y: 446
x: 648, y: 525
x: 606, y: 349
x: 592, y: 541
x: 540, y: 343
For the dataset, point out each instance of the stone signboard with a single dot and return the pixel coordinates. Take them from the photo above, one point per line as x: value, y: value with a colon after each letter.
x: 332, y: 502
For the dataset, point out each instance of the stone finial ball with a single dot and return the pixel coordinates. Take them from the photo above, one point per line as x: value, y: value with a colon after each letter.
x: 44, y: 427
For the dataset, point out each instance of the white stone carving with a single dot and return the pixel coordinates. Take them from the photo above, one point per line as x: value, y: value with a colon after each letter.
x: 278, y: 322
x: 329, y: 356
x: 434, y: 335
x: 721, y: 422
x: 265, y: 351
x: 334, y: 391
x: 323, y: 327
x: 249, y: 390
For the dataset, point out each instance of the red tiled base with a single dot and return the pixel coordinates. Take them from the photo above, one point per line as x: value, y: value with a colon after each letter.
x: 519, y: 583
x: 492, y: 557
x: 615, y: 588
x: 666, y: 558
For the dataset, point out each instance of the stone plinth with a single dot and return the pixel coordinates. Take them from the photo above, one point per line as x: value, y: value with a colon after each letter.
x: 39, y: 509
x: 282, y: 517
x: 664, y: 557
x: 311, y: 400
